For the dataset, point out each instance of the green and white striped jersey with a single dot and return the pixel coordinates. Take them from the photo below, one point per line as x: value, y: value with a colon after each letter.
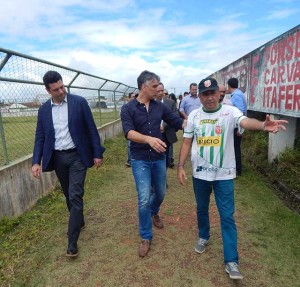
x: 212, y: 153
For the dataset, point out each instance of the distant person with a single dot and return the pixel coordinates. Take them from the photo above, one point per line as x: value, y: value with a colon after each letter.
x: 131, y: 96
x: 223, y: 98
x: 67, y: 141
x: 173, y: 97
x: 190, y: 102
x: 238, y: 100
x: 168, y: 132
x: 171, y: 152
x: 141, y: 120
x: 185, y: 94
x: 209, y: 136
x: 222, y: 91
x: 179, y: 101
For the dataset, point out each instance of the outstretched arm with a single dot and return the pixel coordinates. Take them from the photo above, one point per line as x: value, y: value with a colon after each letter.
x: 268, y: 125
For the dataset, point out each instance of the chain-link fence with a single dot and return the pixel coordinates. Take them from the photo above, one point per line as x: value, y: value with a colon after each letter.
x: 22, y: 93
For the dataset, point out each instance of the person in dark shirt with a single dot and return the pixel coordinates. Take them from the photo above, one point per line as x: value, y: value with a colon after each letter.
x: 141, y: 120
x: 169, y: 133
x: 131, y: 96
x: 66, y: 141
x: 238, y: 100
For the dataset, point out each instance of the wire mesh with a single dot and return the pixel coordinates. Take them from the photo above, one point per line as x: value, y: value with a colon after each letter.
x: 22, y: 93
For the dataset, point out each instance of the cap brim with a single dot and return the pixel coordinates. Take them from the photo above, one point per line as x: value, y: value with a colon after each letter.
x: 208, y: 89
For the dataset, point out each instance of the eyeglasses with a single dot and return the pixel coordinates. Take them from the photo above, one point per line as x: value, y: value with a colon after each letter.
x: 165, y: 94
x: 222, y: 91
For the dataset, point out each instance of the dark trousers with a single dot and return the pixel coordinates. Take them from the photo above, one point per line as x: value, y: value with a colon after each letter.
x: 168, y: 161
x: 71, y: 175
x: 237, y: 151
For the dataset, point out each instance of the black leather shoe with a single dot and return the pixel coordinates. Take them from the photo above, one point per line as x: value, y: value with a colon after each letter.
x: 72, y: 250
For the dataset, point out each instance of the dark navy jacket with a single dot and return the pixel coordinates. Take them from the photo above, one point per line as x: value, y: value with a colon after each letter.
x: 82, y: 128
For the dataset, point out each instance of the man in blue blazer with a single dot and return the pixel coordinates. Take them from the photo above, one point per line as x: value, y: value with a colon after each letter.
x: 67, y: 141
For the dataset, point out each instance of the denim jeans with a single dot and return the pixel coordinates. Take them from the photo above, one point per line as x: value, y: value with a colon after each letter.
x: 224, y: 196
x: 149, y: 174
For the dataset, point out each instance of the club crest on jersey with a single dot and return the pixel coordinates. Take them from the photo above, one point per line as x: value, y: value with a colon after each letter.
x: 218, y: 130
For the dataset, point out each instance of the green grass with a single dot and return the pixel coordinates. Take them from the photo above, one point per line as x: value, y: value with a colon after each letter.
x: 20, y: 132
x: 284, y: 170
x: 33, y: 246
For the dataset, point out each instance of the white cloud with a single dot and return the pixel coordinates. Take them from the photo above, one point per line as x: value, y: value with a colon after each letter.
x: 118, y: 39
x: 281, y: 14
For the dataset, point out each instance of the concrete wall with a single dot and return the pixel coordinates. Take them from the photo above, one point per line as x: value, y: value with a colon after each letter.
x: 270, y: 75
x: 282, y: 140
x: 19, y: 191
x: 110, y: 130
x: 270, y: 78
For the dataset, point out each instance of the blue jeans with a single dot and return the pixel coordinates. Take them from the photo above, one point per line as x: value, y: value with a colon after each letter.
x: 224, y: 196
x: 147, y: 174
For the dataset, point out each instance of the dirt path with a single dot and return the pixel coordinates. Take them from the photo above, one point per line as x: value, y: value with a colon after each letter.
x: 108, y: 246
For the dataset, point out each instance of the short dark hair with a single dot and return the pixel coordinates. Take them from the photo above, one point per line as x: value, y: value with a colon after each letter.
x: 173, y: 97
x: 185, y: 93
x: 129, y: 96
x: 193, y: 84
x: 145, y: 77
x: 233, y: 83
x: 51, y: 77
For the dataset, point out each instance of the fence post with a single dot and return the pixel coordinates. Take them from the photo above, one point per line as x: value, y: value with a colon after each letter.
x: 2, y: 136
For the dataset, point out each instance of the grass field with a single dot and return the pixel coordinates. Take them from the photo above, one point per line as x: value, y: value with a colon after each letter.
x: 20, y: 132
x: 33, y: 246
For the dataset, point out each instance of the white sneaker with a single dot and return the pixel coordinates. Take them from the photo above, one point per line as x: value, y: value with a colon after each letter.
x: 200, y: 245
x: 233, y: 270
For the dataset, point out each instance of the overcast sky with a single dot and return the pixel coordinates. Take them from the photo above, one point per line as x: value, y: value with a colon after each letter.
x: 181, y: 41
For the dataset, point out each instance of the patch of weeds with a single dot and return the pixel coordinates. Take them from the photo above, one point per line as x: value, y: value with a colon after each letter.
x: 8, y: 224
x: 283, y: 173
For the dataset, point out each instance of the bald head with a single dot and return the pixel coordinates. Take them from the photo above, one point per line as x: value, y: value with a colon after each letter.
x: 222, y: 91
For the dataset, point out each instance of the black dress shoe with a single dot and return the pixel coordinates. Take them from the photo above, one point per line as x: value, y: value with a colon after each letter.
x: 72, y: 250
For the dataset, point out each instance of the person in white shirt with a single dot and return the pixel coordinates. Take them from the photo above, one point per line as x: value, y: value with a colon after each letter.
x: 209, y: 136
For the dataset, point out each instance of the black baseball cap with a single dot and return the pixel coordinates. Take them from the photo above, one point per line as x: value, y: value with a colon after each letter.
x: 208, y: 84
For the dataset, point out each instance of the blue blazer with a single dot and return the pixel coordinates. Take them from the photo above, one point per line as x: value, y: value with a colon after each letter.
x: 82, y: 128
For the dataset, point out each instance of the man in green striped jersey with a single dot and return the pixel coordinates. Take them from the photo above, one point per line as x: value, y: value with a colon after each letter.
x: 209, y: 136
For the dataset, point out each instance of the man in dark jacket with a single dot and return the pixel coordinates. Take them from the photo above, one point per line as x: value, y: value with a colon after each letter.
x: 168, y: 132
x: 68, y: 142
